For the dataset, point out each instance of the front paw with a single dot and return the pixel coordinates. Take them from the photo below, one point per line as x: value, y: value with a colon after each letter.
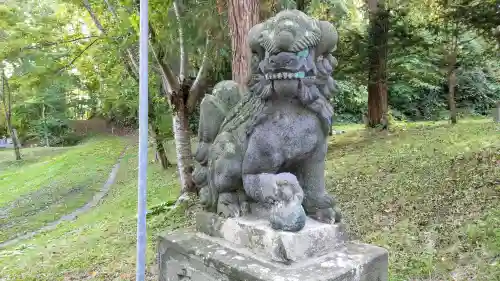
x: 328, y: 215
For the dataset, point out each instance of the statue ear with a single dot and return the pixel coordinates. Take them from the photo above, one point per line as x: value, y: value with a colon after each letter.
x: 254, y: 39
x: 329, y: 38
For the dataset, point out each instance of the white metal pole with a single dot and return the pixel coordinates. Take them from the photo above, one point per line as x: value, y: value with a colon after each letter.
x: 143, y: 141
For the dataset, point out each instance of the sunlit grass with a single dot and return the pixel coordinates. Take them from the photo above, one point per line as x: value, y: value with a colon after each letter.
x: 428, y: 192
x: 49, y: 183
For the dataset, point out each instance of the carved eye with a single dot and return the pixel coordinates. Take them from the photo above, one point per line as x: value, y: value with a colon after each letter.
x: 304, y: 53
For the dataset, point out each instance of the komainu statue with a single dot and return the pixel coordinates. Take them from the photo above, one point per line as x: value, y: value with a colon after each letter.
x: 266, y: 146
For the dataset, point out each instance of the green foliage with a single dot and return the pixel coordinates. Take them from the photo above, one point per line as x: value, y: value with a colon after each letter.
x: 351, y: 101
x: 477, y: 90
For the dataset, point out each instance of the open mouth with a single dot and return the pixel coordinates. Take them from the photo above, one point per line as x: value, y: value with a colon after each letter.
x: 287, y: 76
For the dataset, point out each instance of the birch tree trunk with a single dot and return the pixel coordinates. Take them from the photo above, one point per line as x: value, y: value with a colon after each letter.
x: 243, y: 15
x: 183, y: 146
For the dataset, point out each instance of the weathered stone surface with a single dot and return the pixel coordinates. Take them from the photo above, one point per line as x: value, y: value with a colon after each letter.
x: 314, y: 240
x: 198, y: 257
x: 270, y: 141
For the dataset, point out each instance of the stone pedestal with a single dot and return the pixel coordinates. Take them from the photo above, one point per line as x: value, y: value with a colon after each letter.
x: 247, y: 249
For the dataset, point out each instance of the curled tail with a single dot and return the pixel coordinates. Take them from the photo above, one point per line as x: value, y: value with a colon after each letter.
x: 213, y: 110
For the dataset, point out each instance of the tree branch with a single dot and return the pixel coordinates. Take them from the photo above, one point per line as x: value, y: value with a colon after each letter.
x: 111, y: 8
x: 195, y: 92
x: 168, y: 76
x: 133, y: 61
x: 48, y: 44
x: 93, y: 16
x: 182, y: 50
x: 130, y: 70
x: 78, y: 56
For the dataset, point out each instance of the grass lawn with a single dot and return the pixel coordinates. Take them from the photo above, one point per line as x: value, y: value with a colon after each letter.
x: 51, y: 182
x: 428, y: 192
x: 101, y: 242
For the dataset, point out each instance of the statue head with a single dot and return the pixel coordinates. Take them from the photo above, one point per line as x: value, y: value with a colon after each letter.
x: 227, y: 93
x: 291, y: 58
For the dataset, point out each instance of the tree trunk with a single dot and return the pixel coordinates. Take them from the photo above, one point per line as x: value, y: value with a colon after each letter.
x: 301, y: 5
x: 377, y: 69
x: 452, y: 83
x: 158, y: 137
x: 15, y: 140
x: 243, y: 15
x: 45, y: 129
x: 183, y: 144
x: 160, y: 148
x: 7, y: 105
x: 161, y: 154
x: 496, y: 113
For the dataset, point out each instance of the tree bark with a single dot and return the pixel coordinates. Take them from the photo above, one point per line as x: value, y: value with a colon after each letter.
x: 452, y: 83
x: 15, y: 141
x: 7, y: 103
x: 158, y: 137
x: 183, y: 145
x: 161, y: 153
x: 377, y: 64
x: 243, y: 15
x: 45, y: 129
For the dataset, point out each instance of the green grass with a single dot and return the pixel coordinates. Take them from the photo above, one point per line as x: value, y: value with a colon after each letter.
x: 49, y: 183
x: 427, y: 192
x: 29, y: 155
x: 101, y: 242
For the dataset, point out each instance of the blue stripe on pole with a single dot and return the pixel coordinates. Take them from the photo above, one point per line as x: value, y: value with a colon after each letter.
x: 143, y: 142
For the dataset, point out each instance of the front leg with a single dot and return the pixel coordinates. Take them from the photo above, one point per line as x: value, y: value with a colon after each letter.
x: 261, y: 162
x: 318, y: 204
x: 280, y: 193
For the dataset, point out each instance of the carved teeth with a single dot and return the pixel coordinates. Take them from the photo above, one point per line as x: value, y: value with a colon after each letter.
x: 287, y: 75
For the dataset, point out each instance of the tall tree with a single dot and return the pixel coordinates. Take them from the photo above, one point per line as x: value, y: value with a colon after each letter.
x: 130, y: 63
x: 6, y: 97
x: 182, y: 94
x: 378, y: 32
x: 243, y: 15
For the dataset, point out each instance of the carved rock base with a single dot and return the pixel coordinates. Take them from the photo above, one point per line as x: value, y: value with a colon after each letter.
x: 256, y: 235
x: 198, y: 256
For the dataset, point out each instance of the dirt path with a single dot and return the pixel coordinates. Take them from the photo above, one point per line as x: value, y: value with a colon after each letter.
x: 73, y: 215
